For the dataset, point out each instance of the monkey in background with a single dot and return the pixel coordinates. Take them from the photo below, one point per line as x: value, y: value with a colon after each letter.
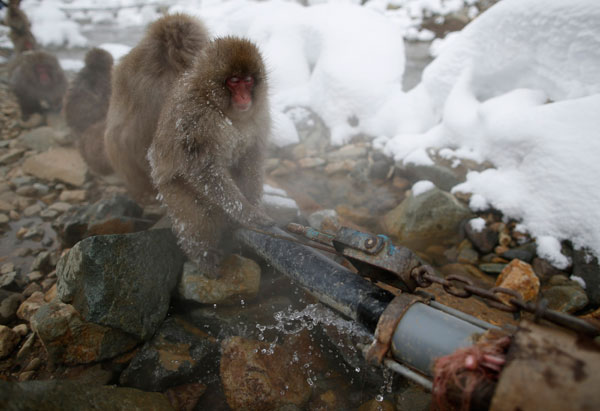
x: 140, y: 85
x: 20, y: 28
x: 86, y: 105
x: 38, y: 81
x: 207, y: 154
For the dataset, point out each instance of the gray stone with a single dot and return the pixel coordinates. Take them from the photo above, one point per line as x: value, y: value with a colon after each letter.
x: 117, y: 214
x: 22, y: 181
x: 324, y: 220
x: 58, y: 395
x: 8, y: 281
x: 178, y: 354
x: 442, y: 177
x: 70, y: 340
x: 585, y: 265
x: 9, y: 303
x: 525, y: 252
x: 427, y: 218
x: 312, y: 131
x: 11, y: 156
x: 544, y: 270
x: 122, y: 281
x: 492, y: 268
x: 32, y: 210
x: 565, y: 295
x: 41, y: 138
x: 484, y: 240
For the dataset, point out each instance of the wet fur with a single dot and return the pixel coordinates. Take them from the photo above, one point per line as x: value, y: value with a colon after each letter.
x: 207, y: 158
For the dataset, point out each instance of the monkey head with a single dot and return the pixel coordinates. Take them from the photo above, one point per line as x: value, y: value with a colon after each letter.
x: 231, y: 74
x: 99, y: 59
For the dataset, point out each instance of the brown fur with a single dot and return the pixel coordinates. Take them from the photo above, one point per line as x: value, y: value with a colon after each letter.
x: 33, y: 95
x: 141, y: 83
x: 86, y: 105
x: 206, y: 157
x: 20, y: 28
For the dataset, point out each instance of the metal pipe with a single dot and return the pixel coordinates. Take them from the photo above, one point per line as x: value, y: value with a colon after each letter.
x: 332, y: 284
x: 425, y: 333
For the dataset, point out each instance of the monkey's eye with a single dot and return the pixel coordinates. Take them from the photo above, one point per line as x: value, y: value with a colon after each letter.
x: 233, y: 80
x: 248, y: 80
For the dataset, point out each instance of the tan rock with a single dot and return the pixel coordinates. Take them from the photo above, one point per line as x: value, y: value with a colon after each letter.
x: 258, y: 376
x: 519, y: 276
x: 30, y: 306
x: 61, y: 164
x: 73, y: 196
x: 239, y: 278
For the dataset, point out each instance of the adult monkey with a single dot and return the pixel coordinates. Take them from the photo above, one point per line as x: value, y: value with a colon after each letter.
x: 207, y: 155
x: 141, y: 83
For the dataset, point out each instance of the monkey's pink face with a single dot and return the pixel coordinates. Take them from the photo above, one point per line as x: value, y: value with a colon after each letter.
x: 241, y: 92
x: 43, y: 74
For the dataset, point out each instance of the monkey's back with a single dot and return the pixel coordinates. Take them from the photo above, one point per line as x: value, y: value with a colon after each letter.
x: 140, y: 85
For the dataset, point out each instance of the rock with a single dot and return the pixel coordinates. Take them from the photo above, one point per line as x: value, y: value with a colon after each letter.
x: 519, y: 276
x: 27, y: 191
x: 34, y: 276
x: 413, y: 398
x: 41, y: 189
x: 259, y: 375
x: 280, y: 208
x: 311, y: 162
x: 4, y: 219
x: 32, y: 210
x: 8, y: 281
x: 492, y: 268
x: 312, y: 131
x: 185, y: 397
x: 432, y: 216
x: 585, y: 266
x: 467, y: 256
x: 349, y: 151
x: 484, y: 240
x: 344, y: 166
x: 21, y: 329
x: 60, y: 207
x: 30, y: 306
x: 374, y: 405
x: 70, y: 340
x: 565, y: 295
x: 60, y: 164
x: 9, y: 304
x: 30, y: 289
x: 326, y: 220
x: 72, y: 395
x: 525, y: 252
x: 115, y: 215
x: 41, y: 138
x: 239, y: 279
x: 43, y: 262
x: 11, y: 156
x: 544, y: 270
x: 178, y: 354
x: 122, y: 281
x: 8, y: 340
x: 73, y: 196
x: 442, y: 177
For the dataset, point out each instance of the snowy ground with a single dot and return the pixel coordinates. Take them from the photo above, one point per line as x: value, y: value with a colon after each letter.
x: 519, y: 87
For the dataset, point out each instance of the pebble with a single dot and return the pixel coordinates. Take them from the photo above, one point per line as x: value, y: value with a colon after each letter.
x: 26, y: 376
x: 73, y: 196
x: 60, y: 206
x: 7, y: 268
x: 42, y: 189
x: 311, y: 162
x: 30, y: 289
x: 28, y: 191
x: 5, y: 206
x: 33, y: 365
x: 32, y: 210
x: 21, y: 329
x: 519, y: 276
x: 492, y: 268
x: 4, y: 219
x: 34, y: 276
x: 49, y: 214
x: 30, y: 306
x: 14, y: 215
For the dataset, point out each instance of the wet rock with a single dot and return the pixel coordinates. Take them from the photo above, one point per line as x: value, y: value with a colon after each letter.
x: 326, y: 220
x: 115, y: 215
x: 526, y: 252
x: 185, y: 397
x: 122, y: 281
x: 429, y: 217
x: 492, y: 268
x: 73, y: 395
x: 234, y: 320
x: 280, y: 207
x: 32, y: 210
x: 349, y: 151
x: 11, y: 156
x: 61, y: 164
x: 259, y: 375
x: 70, y: 340
x: 565, y: 295
x: 30, y: 289
x: 312, y: 131
x: 30, y: 306
x: 178, y: 354
x: 8, y: 340
x: 544, y: 270
x: 4, y: 219
x: 484, y: 239
x: 374, y: 405
x: 8, y: 281
x: 442, y: 177
x: 413, y: 398
x: 519, y: 276
x: 9, y: 303
x: 239, y: 278
x: 41, y: 138
x: 585, y: 266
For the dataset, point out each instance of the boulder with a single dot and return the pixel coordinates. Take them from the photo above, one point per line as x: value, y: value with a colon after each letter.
x: 122, y: 281
x: 178, y: 354
x: 58, y: 164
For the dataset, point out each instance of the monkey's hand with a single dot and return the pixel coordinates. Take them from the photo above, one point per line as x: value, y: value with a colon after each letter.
x: 257, y: 217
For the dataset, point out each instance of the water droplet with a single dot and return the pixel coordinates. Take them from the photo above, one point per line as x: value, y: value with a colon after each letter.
x: 310, y: 382
x: 379, y: 398
x: 357, y: 369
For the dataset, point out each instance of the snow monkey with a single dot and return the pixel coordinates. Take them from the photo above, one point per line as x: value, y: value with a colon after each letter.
x: 20, y: 28
x: 86, y: 105
x: 207, y: 155
x: 140, y: 85
x: 38, y: 81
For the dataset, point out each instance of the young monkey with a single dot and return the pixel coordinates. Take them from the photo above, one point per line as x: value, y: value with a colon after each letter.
x: 207, y: 154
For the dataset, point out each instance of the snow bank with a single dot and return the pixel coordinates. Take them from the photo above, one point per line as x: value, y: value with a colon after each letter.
x: 51, y: 26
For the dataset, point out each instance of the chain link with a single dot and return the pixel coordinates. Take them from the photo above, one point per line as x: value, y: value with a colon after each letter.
x: 461, y: 287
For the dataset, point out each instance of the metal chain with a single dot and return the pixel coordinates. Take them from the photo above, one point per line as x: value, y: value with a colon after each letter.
x: 462, y: 287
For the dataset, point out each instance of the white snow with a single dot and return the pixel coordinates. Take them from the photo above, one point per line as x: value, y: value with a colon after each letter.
x: 115, y: 49
x: 477, y: 224
x: 518, y: 87
x: 579, y: 281
x: 421, y: 187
